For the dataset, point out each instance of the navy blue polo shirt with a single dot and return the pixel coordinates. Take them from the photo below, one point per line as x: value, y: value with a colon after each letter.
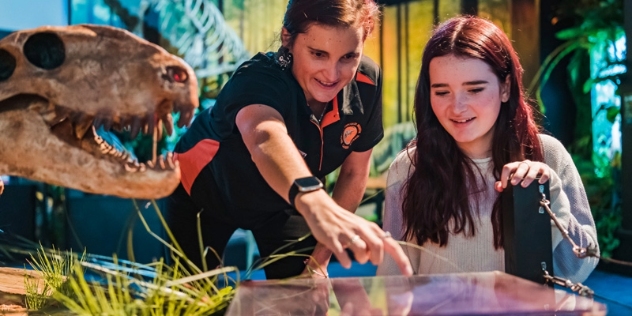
x: 217, y: 170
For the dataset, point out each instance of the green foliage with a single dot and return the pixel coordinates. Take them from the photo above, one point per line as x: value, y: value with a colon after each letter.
x: 55, y: 267
x: 598, y: 24
x: 127, y: 288
x: 605, y: 207
x: 35, y: 299
x: 600, y: 21
x: 170, y: 292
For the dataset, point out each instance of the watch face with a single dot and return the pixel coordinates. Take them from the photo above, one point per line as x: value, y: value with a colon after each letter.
x: 308, y: 184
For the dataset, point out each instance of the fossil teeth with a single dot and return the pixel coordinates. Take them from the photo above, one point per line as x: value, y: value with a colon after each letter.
x: 161, y: 161
x: 98, y: 139
x: 151, y: 122
x: 48, y: 112
x: 124, y: 121
x: 58, y: 116
x: 185, y: 118
x: 159, y: 129
x: 104, y: 147
x: 145, y: 129
x: 135, y: 126
x: 170, y: 161
x: 129, y: 168
x: 57, y: 119
x: 82, y: 124
x: 167, y: 121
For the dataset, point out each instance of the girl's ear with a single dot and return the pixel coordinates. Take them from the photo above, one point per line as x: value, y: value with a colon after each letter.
x: 285, y: 38
x: 505, y: 89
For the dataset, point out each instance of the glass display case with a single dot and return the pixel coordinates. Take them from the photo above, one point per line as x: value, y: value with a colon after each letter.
x: 483, y: 293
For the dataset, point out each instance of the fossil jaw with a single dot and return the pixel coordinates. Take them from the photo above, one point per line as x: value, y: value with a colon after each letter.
x: 60, y: 85
x: 80, y: 130
x: 70, y: 154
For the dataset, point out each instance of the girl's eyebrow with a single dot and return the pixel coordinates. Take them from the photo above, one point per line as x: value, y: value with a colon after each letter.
x: 467, y: 83
x: 475, y: 82
x: 438, y: 85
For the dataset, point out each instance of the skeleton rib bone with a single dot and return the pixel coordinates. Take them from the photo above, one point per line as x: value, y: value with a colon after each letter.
x: 59, y: 84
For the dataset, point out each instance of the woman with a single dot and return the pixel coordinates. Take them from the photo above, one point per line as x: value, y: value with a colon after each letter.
x: 282, y: 122
x: 476, y: 136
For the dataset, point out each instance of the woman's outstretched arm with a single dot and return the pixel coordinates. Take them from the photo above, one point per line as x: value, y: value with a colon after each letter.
x: 279, y: 162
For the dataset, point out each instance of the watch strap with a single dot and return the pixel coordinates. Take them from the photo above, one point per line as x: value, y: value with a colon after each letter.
x: 295, y: 189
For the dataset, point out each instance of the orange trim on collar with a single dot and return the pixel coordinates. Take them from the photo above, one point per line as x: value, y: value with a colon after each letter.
x: 360, y: 77
x: 332, y: 116
x: 194, y: 160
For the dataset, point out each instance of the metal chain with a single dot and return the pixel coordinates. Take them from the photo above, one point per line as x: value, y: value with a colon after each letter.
x: 580, y: 252
x: 575, y: 287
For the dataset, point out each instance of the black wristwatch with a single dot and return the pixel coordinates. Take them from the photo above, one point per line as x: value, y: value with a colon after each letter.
x: 302, y: 185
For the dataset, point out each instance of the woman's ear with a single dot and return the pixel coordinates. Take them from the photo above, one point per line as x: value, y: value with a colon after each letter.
x: 505, y: 89
x: 285, y: 38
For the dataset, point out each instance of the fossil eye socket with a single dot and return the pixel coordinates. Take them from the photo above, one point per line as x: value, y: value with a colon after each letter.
x: 45, y: 50
x: 7, y: 65
x: 177, y: 74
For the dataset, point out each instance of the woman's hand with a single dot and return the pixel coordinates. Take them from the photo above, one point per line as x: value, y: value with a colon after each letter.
x: 315, y: 273
x: 315, y: 270
x: 523, y: 172
x: 265, y: 135
x: 339, y: 229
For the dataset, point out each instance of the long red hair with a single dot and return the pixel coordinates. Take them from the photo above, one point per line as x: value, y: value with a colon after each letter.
x: 437, y: 191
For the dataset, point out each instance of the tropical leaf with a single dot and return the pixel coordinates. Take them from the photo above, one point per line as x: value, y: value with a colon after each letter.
x: 570, y: 33
x: 612, y: 112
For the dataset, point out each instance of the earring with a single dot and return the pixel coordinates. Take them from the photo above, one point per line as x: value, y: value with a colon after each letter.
x: 284, y: 58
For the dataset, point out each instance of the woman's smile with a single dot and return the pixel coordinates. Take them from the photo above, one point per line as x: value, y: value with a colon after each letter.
x: 326, y: 59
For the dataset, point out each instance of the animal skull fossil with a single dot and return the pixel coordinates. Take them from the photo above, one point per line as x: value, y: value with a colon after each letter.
x: 59, y: 84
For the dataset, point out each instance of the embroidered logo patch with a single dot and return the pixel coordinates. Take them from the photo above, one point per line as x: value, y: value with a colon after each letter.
x: 350, y: 133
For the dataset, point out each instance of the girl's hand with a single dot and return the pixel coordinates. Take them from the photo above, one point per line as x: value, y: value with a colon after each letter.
x: 523, y: 172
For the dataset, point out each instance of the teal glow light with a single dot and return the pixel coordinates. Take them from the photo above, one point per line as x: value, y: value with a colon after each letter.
x: 606, y: 64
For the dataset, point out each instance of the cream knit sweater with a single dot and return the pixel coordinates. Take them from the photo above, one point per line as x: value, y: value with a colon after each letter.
x: 477, y: 254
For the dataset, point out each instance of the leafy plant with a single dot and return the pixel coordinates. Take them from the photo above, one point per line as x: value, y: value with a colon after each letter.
x: 35, y: 299
x: 55, y: 266
x: 128, y: 288
x: 170, y: 291
x: 602, y: 199
x: 98, y: 285
x: 601, y: 23
x: 598, y: 25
